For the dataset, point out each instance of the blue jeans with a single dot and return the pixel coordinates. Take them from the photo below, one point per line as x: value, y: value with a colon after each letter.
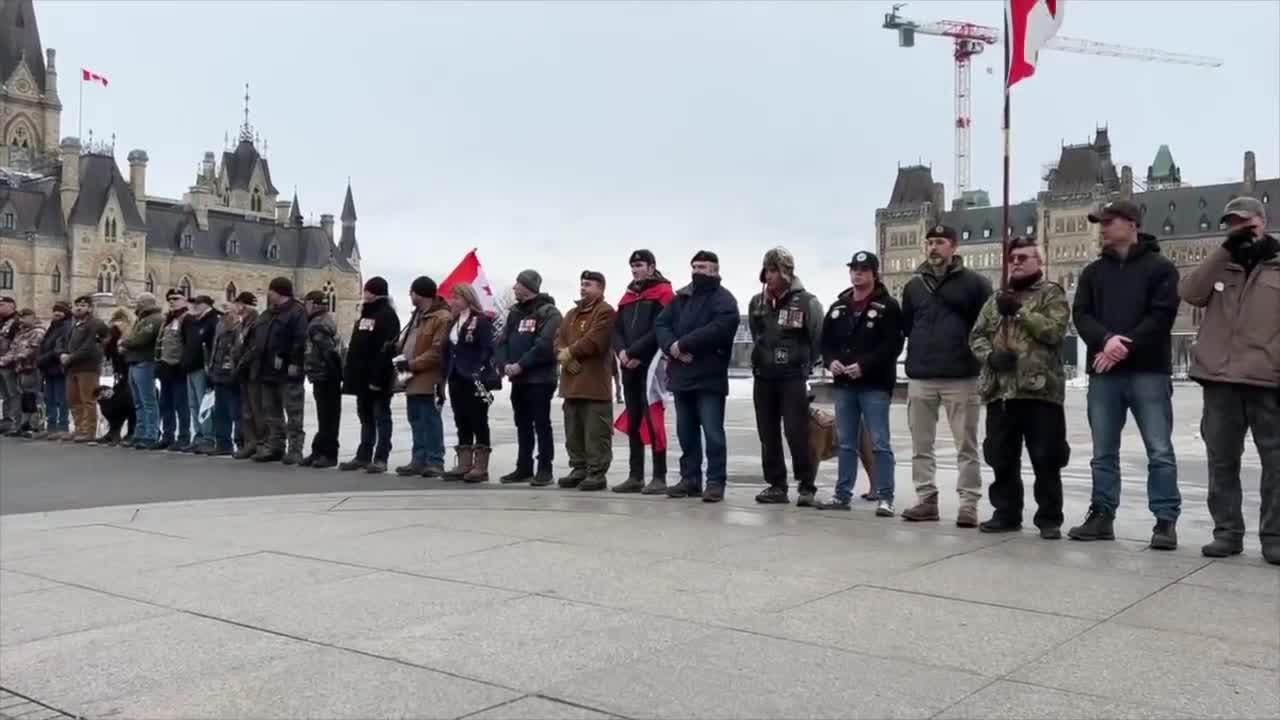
x: 427, y: 429
x: 853, y: 405
x: 226, y: 415
x: 174, y: 415
x: 142, y: 384
x: 197, y: 386
x: 55, y: 403
x: 700, y: 414
x: 1149, y: 396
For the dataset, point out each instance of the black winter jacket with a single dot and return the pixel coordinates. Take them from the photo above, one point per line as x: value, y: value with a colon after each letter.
x: 937, y: 315
x: 279, y: 344
x: 704, y: 320
x: 472, y: 355
x: 634, y: 327
x: 785, y: 334
x: 528, y: 340
x: 197, y: 340
x: 371, y: 348
x: 872, y: 338
x: 324, y: 349
x: 52, y: 346
x: 1135, y: 296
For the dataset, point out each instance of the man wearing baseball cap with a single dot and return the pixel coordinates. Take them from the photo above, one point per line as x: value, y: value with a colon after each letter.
x: 939, y: 307
x: 1125, y: 305
x: 1236, y: 359
x: 861, y: 341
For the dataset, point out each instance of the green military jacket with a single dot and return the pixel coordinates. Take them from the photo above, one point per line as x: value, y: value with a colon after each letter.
x: 1035, y: 335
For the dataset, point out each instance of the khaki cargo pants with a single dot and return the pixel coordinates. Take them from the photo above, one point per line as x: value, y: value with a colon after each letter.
x: 964, y: 409
x: 588, y: 436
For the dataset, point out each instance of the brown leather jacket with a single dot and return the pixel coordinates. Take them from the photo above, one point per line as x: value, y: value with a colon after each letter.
x: 1239, y: 339
x: 585, y: 334
x: 427, y: 357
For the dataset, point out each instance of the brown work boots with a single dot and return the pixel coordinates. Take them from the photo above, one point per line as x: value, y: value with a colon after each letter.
x: 927, y: 511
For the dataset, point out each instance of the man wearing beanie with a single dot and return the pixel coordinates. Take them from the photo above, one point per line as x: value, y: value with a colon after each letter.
x: 139, y: 349
x: 527, y: 357
x: 786, y: 325
x: 861, y: 340
x: 586, y: 384
x: 696, y: 332
x: 52, y: 346
x: 324, y: 372
x: 9, y: 395
x: 370, y: 376
x: 276, y: 367
x: 421, y: 353
x: 635, y: 343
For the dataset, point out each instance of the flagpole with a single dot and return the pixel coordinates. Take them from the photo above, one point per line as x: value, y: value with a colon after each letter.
x: 1004, y: 245
x: 80, y: 110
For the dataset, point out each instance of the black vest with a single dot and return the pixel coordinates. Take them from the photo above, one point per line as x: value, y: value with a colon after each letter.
x: 783, y: 349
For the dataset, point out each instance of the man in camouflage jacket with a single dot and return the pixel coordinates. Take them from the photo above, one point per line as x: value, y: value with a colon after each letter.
x: 1018, y: 340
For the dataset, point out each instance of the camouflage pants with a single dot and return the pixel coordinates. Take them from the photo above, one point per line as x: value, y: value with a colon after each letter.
x: 31, y: 403
x: 281, y: 405
x: 10, y: 397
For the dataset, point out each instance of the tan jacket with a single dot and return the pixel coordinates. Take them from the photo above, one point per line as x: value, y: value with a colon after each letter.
x: 1239, y: 339
x: 427, y: 358
x: 585, y: 332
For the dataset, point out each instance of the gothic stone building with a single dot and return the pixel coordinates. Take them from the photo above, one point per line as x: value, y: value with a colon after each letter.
x: 1184, y: 218
x: 71, y: 224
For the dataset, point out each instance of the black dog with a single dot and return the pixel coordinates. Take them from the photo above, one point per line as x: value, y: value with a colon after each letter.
x: 116, y: 405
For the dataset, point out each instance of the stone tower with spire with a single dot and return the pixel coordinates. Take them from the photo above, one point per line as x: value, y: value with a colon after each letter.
x: 30, y: 110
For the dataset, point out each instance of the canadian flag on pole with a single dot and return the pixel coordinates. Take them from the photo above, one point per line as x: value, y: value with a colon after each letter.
x: 1031, y: 24
x: 87, y: 75
x: 471, y: 272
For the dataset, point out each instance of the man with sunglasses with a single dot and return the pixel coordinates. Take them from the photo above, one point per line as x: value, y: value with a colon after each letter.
x: 1018, y: 340
x: 1125, y: 306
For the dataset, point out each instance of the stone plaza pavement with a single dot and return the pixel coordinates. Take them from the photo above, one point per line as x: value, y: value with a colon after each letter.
x: 542, y: 603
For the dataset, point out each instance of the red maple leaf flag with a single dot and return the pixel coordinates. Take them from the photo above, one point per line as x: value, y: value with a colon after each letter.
x: 471, y: 272
x: 1031, y: 24
x: 87, y: 75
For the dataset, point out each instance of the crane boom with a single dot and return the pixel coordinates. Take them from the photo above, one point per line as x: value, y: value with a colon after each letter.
x: 1089, y: 47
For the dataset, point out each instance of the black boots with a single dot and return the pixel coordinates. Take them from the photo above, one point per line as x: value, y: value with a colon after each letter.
x: 1164, y: 536
x: 1097, y: 526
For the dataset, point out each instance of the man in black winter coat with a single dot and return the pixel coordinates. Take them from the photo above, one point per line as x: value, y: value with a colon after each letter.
x: 526, y: 356
x: 52, y: 346
x: 198, y: 331
x: 324, y: 371
x: 370, y: 376
x: 861, y: 340
x: 635, y: 343
x: 939, y: 308
x: 276, y: 369
x: 1125, y: 305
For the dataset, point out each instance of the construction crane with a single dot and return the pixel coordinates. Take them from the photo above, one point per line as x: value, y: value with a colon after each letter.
x: 971, y: 39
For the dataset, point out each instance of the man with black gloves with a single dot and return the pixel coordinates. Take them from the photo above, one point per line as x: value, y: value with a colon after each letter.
x: 1018, y: 340
x: 1237, y: 359
x: 278, y: 357
x: 371, y: 376
x: 939, y: 307
x: 526, y: 355
x: 635, y: 342
x: 786, y: 323
x: 1125, y: 305
x: 861, y: 340
x: 696, y: 331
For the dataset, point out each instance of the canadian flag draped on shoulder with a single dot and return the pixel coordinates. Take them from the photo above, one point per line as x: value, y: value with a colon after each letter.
x: 653, y: 431
x: 1031, y: 24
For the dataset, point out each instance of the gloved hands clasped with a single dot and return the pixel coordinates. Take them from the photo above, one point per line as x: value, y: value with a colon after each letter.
x: 568, y: 362
x: 1002, y: 360
x: 1008, y: 303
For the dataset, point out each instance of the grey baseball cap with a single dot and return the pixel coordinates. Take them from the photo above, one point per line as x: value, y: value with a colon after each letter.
x: 1245, y: 207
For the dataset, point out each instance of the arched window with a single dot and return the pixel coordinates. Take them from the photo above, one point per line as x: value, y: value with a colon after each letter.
x: 255, y: 201
x: 109, y: 229
x: 9, y: 221
x: 188, y: 240
x: 55, y: 279
x: 233, y: 245
x: 6, y: 275
x: 151, y: 283
x: 108, y: 276
x: 1168, y: 227
x: 273, y: 251
x: 231, y: 292
x: 331, y: 296
x: 986, y: 232
x: 184, y: 287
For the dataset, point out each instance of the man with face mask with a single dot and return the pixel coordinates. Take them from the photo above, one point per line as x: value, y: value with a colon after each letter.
x: 786, y: 327
x: 939, y: 307
x: 696, y: 331
x: 1018, y: 340
x: 1236, y: 359
x: 583, y: 351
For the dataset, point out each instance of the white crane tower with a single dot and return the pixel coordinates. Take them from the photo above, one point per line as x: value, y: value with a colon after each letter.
x: 971, y: 39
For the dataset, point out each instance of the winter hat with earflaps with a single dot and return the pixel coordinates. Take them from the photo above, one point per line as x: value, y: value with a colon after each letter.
x: 779, y: 259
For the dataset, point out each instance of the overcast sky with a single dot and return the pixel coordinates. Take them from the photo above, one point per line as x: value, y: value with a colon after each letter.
x: 563, y: 135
